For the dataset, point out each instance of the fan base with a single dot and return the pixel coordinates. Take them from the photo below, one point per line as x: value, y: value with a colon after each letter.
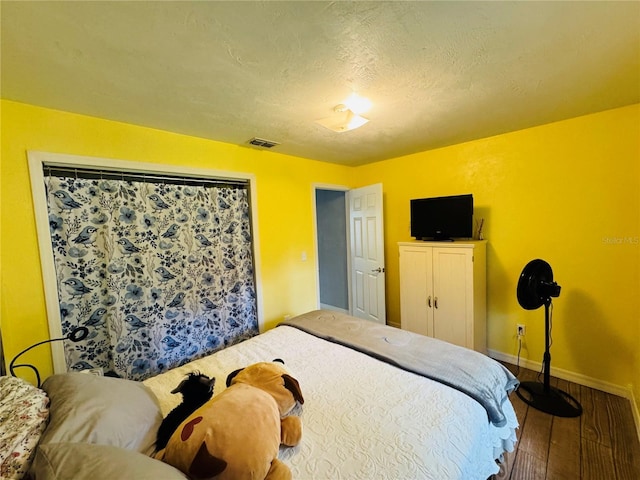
x: 549, y: 400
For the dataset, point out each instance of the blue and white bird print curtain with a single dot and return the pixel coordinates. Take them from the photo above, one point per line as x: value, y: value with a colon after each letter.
x: 161, y: 273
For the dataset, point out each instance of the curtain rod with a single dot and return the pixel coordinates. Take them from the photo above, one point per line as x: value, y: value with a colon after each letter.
x: 101, y: 174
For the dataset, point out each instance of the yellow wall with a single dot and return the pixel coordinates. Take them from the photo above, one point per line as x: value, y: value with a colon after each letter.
x: 566, y: 192
x: 636, y: 380
x: 284, y: 189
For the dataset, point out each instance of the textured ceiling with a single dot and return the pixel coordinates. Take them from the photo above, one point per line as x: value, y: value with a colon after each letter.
x: 438, y: 73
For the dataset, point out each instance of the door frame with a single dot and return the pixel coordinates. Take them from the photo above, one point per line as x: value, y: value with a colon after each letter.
x: 347, y: 219
x: 337, y: 188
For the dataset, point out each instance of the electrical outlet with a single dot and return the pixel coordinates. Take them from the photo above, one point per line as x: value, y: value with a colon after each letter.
x: 520, y: 330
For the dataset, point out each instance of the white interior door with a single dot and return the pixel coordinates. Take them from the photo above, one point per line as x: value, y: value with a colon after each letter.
x: 367, y: 253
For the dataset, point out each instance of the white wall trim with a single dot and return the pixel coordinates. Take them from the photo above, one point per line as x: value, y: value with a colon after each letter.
x: 329, y: 186
x: 625, y: 392
x: 338, y: 188
x: 564, y: 374
x: 634, y: 410
x: 37, y: 160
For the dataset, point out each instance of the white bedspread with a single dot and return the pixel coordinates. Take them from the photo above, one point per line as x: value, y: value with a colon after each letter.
x: 363, y: 418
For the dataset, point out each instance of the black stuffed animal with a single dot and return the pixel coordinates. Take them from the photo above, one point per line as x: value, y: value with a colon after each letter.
x: 196, y: 390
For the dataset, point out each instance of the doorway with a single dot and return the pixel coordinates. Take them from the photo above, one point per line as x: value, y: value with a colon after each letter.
x: 350, y: 250
x: 333, y: 248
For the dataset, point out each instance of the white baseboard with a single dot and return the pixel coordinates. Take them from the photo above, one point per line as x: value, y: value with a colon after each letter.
x: 565, y: 374
x: 636, y: 413
x: 625, y: 392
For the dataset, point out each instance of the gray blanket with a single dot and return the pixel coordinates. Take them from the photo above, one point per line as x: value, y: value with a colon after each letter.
x: 470, y: 372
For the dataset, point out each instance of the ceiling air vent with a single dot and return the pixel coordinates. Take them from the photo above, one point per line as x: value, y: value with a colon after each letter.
x: 261, y: 142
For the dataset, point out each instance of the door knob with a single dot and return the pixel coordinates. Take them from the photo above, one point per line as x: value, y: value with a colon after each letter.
x: 378, y: 270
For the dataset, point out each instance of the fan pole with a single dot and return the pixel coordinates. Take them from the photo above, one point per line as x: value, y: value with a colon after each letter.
x: 546, y: 359
x: 543, y: 396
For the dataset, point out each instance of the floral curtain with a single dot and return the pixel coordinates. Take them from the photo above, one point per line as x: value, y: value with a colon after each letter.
x: 160, y: 272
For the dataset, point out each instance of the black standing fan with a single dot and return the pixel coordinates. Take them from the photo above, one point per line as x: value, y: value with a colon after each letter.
x: 535, y: 288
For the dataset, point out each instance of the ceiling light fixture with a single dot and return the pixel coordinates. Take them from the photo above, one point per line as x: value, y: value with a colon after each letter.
x: 347, y: 115
x: 357, y: 104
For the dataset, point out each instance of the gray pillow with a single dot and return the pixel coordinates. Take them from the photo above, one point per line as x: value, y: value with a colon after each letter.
x: 86, y: 408
x: 62, y: 461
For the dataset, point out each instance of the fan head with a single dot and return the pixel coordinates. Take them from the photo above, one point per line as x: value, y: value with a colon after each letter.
x: 536, y: 285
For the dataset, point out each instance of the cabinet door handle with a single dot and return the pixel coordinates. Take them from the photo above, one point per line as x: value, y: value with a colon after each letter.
x: 435, y: 302
x: 429, y: 301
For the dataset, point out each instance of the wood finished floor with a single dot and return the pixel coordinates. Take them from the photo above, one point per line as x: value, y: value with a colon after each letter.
x: 601, y: 444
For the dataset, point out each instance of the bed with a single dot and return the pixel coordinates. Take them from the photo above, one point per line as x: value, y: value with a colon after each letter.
x: 367, y: 413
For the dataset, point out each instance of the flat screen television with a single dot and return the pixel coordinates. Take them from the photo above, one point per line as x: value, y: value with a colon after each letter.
x: 442, y: 218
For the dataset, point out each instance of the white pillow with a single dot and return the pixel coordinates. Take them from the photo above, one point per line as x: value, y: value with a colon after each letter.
x: 62, y: 461
x: 101, y: 410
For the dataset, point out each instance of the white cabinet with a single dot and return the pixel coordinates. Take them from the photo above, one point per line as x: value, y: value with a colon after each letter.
x: 443, y: 291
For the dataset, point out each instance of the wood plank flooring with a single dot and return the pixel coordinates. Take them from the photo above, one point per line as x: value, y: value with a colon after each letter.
x: 601, y: 444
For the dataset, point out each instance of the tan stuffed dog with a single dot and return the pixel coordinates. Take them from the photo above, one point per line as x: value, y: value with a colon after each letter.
x: 236, y: 435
